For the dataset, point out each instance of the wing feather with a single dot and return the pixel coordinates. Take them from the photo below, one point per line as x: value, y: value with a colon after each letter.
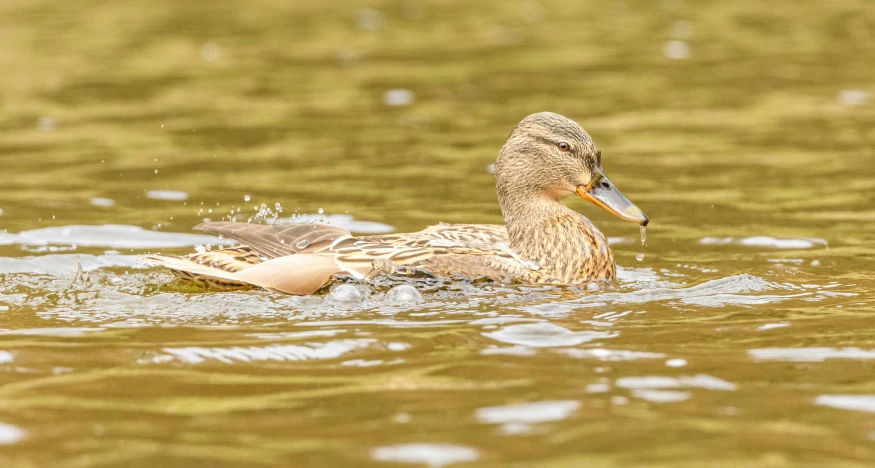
x: 277, y: 240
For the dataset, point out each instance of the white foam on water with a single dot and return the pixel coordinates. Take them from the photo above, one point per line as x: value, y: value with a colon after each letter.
x: 772, y: 326
x: 10, y: 434
x: 509, y: 351
x: 398, y: 97
x: 696, y: 381
x: 329, y: 350
x: 544, y: 334
x: 528, y: 413
x: 57, y: 264
x: 603, y: 354
x: 854, y: 97
x: 766, y: 241
x: 676, y: 50
x: 117, y: 236
x: 809, y: 354
x: 848, y: 402
x: 428, y: 454
x: 168, y: 195
x: 60, y: 331
x: 100, y: 201
x: 661, y: 396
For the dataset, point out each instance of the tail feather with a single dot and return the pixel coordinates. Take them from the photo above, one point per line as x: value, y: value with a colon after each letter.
x: 202, y: 274
x: 293, y: 274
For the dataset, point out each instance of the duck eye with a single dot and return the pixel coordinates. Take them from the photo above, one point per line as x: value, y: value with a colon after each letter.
x: 564, y: 146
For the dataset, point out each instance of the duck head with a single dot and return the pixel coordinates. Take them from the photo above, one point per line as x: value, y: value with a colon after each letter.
x: 548, y: 157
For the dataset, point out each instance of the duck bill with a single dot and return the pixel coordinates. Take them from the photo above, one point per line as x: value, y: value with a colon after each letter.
x: 601, y: 192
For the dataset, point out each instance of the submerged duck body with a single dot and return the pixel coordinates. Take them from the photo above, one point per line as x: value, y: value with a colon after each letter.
x: 546, y: 158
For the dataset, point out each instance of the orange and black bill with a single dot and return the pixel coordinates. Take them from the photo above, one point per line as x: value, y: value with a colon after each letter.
x: 602, y: 192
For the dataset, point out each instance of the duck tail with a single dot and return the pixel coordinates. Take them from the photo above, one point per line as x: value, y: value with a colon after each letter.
x: 293, y: 274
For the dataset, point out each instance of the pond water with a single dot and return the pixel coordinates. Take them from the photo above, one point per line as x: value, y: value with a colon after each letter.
x: 741, y: 334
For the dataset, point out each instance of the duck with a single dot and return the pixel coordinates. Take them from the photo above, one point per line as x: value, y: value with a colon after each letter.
x: 546, y: 158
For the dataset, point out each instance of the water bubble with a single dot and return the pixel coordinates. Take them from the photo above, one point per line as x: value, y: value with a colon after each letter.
x: 321, y: 211
x: 370, y: 20
x: 156, y: 171
x: 302, y: 244
x: 246, y: 198
x: 10, y: 434
x: 345, y: 293
x: 169, y: 195
x: 853, y: 97
x: 676, y: 50
x: 593, y: 287
x: 398, y: 97
x: 403, y: 294
x: 639, y: 257
x: 100, y: 201
x: 813, y: 262
x: 211, y: 52
x: 676, y: 362
x: 46, y: 123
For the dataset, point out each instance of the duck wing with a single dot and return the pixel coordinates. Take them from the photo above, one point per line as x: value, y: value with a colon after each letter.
x: 278, y: 240
x: 301, y: 258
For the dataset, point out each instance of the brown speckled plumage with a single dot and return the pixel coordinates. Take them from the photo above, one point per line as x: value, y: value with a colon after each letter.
x: 544, y: 242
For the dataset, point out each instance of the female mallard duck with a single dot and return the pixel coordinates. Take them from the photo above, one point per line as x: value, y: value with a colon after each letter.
x: 547, y: 157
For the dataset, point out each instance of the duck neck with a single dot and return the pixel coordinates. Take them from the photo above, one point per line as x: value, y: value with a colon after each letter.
x: 566, y: 245
x: 529, y: 221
